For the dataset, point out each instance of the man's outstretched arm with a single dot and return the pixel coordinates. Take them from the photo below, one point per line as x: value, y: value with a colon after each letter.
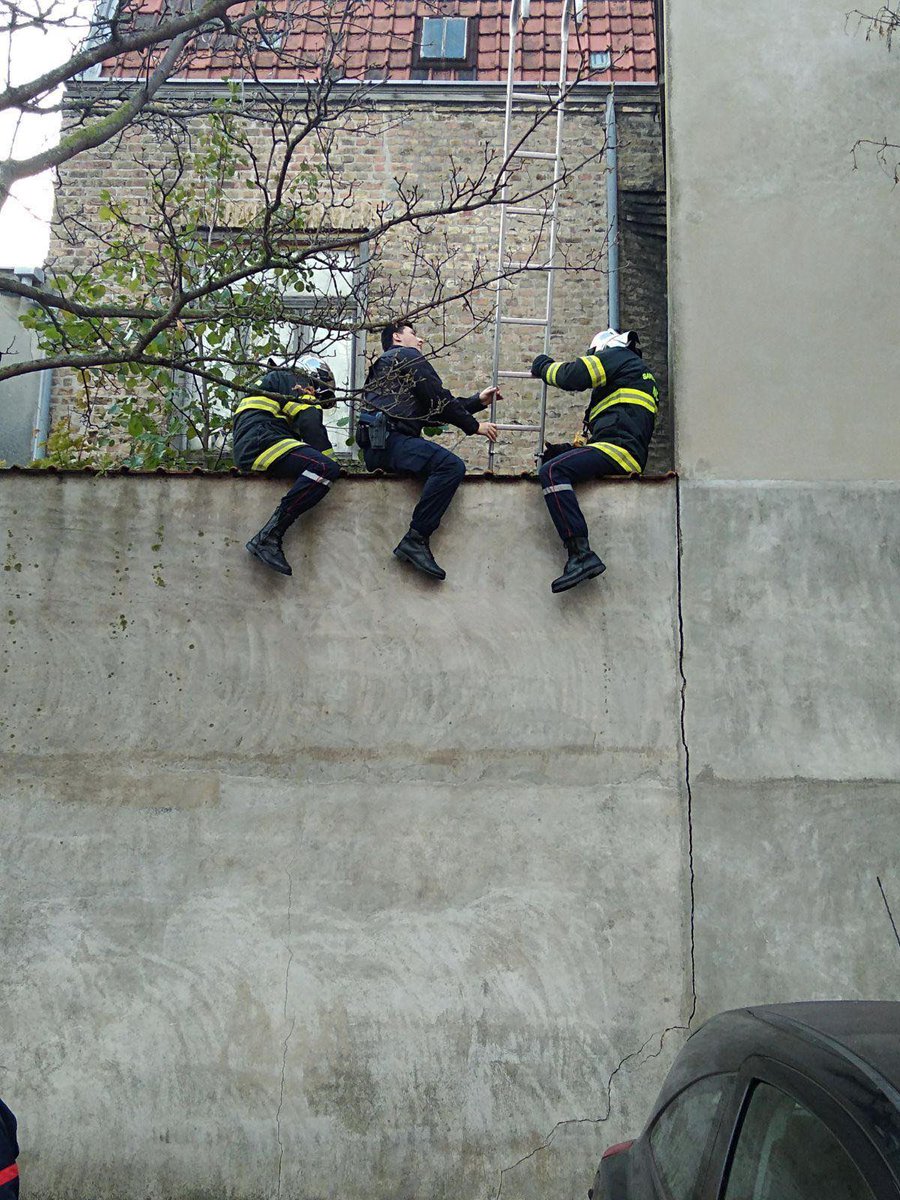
x: 444, y: 406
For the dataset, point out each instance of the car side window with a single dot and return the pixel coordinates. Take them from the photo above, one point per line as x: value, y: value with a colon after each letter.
x: 682, y: 1136
x: 784, y: 1152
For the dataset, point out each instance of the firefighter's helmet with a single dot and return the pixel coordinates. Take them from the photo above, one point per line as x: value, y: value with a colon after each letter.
x: 608, y: 339
x: 315, y: 372
x: 310, y: 374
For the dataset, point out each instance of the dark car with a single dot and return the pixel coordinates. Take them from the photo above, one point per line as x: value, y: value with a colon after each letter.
x: 782, y: 1102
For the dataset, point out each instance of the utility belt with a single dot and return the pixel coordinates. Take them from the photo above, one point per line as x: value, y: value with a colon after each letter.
x: 372, y: 429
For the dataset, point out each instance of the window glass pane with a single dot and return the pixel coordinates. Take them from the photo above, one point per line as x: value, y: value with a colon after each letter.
x: 443, y: 37
x: 331, y: 287
x: 455, y: 37
x: 784, y: 1152
x: 682, y: 1137
x: 432, y: 38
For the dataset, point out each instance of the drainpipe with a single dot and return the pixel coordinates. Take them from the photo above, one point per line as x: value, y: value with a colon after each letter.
x: 42, y: 422
x: 612, y: 210
x: 41, y: 430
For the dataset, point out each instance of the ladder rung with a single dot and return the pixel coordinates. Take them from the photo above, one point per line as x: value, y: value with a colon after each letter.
x: 514, y: 375
x: 528, y: 212
x: 528, y: 266
x: 533, y: 154
x: 524, y: 428
x: 523, y: 320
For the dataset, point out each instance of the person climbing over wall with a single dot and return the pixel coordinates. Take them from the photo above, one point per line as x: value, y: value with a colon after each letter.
x: 9, y: 1152
x: 404, y: 393
x: 283, y: 435
x: 618, y: 425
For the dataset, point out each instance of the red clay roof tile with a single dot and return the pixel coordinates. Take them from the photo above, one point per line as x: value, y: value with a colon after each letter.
x: 380, y: 30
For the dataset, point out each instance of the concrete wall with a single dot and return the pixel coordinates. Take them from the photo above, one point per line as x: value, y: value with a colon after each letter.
x: 343, y: 884
x: 783, y: 282
x: 792, y: 661
x: 351, y: 884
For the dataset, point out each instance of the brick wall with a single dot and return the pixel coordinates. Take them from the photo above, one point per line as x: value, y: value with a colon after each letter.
x: 418, y: 142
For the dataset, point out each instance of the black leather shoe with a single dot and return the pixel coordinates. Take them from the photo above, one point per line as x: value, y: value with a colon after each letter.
x: 414, y: 549
x: 582, y: 564
x: 266, y: 546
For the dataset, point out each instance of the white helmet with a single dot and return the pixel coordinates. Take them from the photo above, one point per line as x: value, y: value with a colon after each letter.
x: 607, y: 339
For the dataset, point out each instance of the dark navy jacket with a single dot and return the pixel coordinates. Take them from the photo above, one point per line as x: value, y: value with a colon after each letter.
x: 265, y: 429
x: 624, y: 396
x: 404, y: 384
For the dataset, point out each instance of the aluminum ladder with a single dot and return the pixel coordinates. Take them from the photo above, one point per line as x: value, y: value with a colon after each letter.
x: 520, y: 92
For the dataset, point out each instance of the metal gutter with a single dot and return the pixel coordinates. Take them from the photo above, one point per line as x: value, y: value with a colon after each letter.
x: 393, y: 91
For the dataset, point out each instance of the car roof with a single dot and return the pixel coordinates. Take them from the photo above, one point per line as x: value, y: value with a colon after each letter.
x: 834, y: 1040
x: 866, y: 1032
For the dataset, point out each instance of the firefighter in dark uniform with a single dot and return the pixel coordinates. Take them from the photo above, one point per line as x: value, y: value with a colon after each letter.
x: 618, y: 425
x: 9, y: 1152
x: 285, y: 437
x: 403, y: 394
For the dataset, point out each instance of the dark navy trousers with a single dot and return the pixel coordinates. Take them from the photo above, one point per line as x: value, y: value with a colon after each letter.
x: 443, y: 472
x: 557, y: 478
x: 313, y: 474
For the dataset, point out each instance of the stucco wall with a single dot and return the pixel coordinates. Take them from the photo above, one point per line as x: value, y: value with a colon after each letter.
x: 351, y: 884
x: 783, y: 281
x: 792, y: 661
x: 343, y: 884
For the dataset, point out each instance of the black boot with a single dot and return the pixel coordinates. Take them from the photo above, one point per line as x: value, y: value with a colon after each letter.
x: 583, y: 564
x: 414, y: 549
x: 266, y: 545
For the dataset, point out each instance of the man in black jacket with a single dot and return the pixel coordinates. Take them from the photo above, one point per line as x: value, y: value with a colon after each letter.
x: 618, y: 425
x: 403, y: 394
x: 285, y: 437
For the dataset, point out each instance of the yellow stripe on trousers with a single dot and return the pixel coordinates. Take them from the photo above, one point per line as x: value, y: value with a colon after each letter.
x: 618, y: 454
x: 264, y: 460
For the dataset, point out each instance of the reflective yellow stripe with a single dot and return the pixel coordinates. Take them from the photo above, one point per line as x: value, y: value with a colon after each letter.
x: 595, y: 369
x: 625, y: 460
x: 293, y: 407
x: 624, y: 396
x: 552, y: 371
x: 635, y: 396
x: 264, y: 460
x: 328, y: 453
x: 262, y: 403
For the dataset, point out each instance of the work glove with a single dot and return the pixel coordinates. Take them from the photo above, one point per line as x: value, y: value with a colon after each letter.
x: 552, y: 449
x: 540, y: 364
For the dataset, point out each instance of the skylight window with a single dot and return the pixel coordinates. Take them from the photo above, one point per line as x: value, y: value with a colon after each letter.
x: 444, y: 38
x: 600, y: 60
